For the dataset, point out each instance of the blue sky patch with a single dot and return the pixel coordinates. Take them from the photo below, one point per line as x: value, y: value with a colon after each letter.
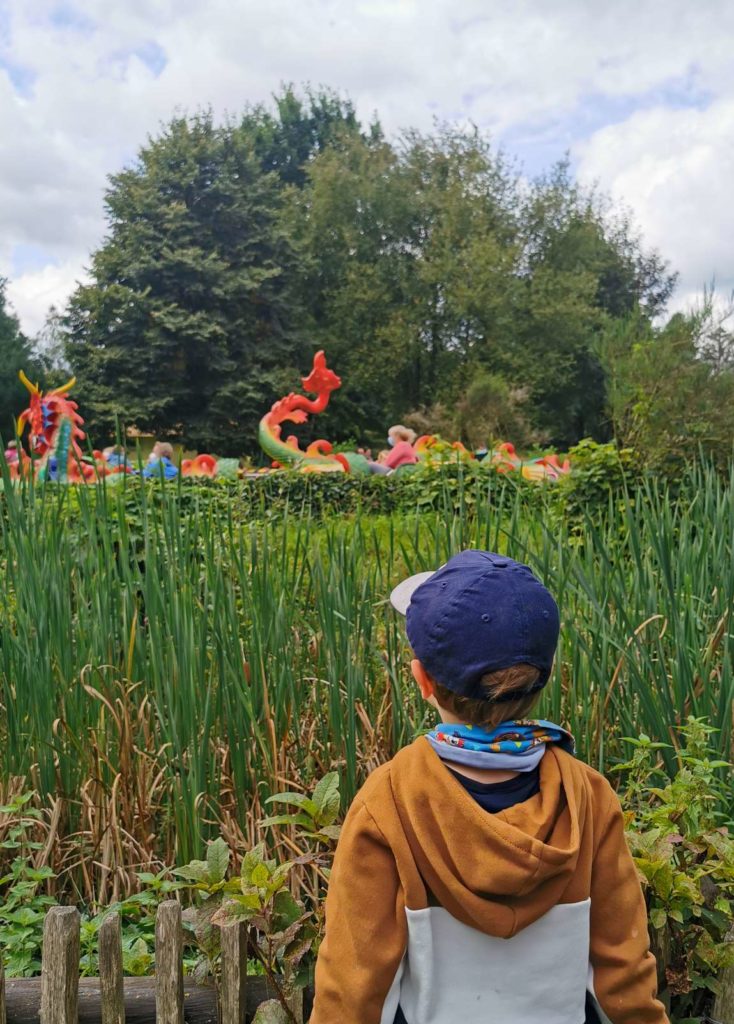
x: 27, y: 258
x: 22, y: 79
x: 69, y: 16
x: 152, y: 55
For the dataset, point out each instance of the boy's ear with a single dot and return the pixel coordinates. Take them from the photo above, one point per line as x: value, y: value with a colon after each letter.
x: 425, y: 683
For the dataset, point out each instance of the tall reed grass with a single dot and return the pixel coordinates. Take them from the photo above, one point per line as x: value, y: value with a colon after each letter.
x: 166, y: 665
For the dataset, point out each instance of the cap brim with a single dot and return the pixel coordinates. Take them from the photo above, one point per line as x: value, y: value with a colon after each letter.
x: 401, y: 595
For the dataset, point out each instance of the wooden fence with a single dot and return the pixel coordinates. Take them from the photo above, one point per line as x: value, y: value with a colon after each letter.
x: 59, y: 996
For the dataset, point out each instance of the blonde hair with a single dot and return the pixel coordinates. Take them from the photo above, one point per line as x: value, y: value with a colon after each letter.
x: 164, y: 450
x: 485, y: 713
x: 403, y: 433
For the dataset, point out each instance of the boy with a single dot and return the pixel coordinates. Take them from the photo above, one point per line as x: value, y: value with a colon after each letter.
x: 483, y: 874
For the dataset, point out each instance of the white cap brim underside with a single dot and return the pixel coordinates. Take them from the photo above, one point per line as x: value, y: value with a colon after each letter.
x: 401, y: 595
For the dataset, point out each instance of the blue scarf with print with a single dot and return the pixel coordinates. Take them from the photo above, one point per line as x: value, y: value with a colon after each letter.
x: 516, y: 746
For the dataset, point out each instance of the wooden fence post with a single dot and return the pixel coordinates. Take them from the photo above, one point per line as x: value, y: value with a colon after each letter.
x: 169, y: 964
x: 60, y: 967
x: 110, y: 971
x: 233, y: 992
x: 723, y: 1010
x: 3, y: 1016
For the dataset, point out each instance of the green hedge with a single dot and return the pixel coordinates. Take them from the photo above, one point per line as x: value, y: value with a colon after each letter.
x: 600, y: 473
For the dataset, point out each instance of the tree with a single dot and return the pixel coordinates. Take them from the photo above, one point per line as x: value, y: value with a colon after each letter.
x: 16, y: 353
x: 666, y: 398
x: 191, y: 325
x: 236, y: 250
x: 288, y: 138
x: 430, y: 262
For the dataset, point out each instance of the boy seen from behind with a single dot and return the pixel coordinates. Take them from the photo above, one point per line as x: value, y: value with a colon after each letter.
x: 483, y: 873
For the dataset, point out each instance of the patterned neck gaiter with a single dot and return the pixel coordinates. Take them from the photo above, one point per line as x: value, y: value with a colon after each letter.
x: 512, y: 746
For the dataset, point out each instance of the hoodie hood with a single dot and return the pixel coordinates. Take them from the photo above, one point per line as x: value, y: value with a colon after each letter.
x: 494, y: 872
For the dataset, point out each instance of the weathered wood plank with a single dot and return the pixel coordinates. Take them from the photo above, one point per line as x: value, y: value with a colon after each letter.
x: 110, y: 971
x: 233, y: 991
x: 23, y: 999
x: 723, y: 1010
x: 169, y: 963
x: 200, y: 1001
x: 60, y: 966
x: 2, y: 993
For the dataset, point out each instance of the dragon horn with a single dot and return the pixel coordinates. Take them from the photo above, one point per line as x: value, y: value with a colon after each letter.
x: 33, y: 388
x: 64, y: 387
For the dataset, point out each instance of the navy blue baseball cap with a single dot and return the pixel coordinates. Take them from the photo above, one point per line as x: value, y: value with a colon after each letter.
x: 478, y: 613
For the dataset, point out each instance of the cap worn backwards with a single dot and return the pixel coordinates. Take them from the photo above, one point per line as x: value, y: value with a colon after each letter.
x: 478, y: 613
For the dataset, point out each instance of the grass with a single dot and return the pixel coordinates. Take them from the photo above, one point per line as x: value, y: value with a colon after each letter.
x: 165, y: 665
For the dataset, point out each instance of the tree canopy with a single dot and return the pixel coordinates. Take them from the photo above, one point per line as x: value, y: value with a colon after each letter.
x: 427, y: 267
x: 16, y: 353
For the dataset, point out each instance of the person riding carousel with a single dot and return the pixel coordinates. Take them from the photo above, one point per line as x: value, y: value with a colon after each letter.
x: 401, y: 440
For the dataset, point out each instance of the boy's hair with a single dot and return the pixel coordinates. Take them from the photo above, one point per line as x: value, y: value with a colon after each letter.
x: 485, y: 713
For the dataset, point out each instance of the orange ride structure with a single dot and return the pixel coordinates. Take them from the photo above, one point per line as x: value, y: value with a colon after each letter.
x: 319, y: 456
x: 55, y: 438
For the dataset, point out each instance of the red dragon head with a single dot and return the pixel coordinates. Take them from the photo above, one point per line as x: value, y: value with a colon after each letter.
x: 45, y: 413
x: 321, y: 379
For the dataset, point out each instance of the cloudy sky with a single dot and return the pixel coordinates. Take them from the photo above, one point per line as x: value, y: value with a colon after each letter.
x: 640, y: 92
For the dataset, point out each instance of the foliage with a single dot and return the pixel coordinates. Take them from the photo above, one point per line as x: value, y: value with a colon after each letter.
x: 170, y: 653
x: 671, y: 388
x: 600, y: 473
x: 282, y: 932
x: 23, y: 902
x: 436, y: 250
x: 16, y: 353
x: 684, y: 852
x: 316, y: 814
x: 192, y: 325
x: 430, y: 272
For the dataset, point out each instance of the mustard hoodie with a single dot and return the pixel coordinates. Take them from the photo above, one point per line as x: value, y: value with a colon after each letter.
x: 457, y: 915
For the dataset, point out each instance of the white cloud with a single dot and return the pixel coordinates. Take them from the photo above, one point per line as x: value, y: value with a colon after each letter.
x: 32, y: 294
x: 87, y: 81
x: 674, y: 168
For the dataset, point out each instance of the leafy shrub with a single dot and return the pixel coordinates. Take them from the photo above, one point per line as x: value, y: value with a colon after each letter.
x: 23, y: 903
x: 598, y: 472
x: 684, y: 853
x: 682, y: 847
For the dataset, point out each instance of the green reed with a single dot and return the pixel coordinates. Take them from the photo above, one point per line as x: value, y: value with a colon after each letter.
x: 185, y: 662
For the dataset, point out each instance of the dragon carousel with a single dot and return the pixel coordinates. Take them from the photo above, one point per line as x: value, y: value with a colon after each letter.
x: 56, y: 435
x: 319, y: 456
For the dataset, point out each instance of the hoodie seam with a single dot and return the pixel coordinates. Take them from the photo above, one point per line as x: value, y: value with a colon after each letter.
x: 606, y: 819
x: 370, y: 815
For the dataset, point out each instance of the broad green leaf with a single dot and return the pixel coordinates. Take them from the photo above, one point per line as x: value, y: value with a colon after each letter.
x: 288, y: 819
x: 260, y: 875
x: 251, y: 858
x: 287, y: 909
x: 195, y: 871
x: 325, y: 790
x: 329, y: 833
x: 217, y: 860
x: 297, y: 799
x: 658, y: 917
